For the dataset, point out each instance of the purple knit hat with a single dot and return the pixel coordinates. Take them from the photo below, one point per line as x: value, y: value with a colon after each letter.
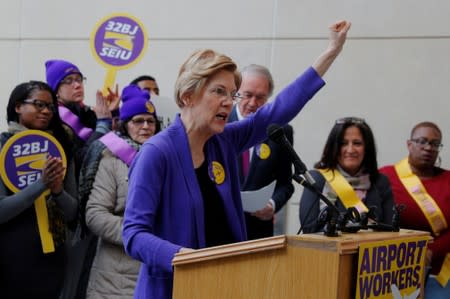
x: 56, y: 70
x: 135, y: 101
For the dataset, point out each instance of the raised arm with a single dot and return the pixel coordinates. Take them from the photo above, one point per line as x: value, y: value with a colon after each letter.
x: 338, y: 35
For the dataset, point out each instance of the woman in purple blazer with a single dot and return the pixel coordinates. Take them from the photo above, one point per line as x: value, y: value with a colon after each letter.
x: 184, y: 191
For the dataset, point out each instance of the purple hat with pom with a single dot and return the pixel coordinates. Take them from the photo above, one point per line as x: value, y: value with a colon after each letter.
x: 135, y: 101
x: 56, y: 70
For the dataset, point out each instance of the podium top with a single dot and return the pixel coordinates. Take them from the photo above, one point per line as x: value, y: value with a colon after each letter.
x: 228, y: 250
x: 345, y: 243
x: 348, y: 243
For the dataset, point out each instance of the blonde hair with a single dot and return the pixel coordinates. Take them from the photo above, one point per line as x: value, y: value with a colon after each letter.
x: 198, y: 68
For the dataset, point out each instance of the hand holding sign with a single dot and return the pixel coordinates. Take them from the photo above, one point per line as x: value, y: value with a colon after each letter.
x: 27, y: 157
x: 53, y: 174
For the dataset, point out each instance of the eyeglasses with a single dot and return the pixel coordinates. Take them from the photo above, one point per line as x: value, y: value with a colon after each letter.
x: 71, y: 80
x: 258, y: 97
x: 141, y: 121
x: 40, y: 105
x: 350, y: 120
x: 434, y: 144
x: 224, y: 94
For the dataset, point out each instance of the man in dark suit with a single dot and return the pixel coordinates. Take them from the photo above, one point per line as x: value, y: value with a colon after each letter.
x: 266, y: 162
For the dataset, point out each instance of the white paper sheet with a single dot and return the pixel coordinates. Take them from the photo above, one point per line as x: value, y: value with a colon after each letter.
x: 253, y: 201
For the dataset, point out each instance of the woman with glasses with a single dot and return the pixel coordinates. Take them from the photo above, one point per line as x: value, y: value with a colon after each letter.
x: 113, y: 273
x: 423, y: 187
x: 347, y: 174
x: 184, y: 190
x: 25, y: 270
x: 83, y: 123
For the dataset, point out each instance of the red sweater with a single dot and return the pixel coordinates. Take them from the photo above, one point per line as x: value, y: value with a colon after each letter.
x: 413, y: 218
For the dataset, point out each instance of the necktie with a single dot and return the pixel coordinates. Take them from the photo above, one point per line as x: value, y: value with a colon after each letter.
x: 245, y: 162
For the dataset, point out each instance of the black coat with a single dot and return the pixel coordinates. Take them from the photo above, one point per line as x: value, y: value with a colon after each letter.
x: 277, y: 167
x: 379, y: 195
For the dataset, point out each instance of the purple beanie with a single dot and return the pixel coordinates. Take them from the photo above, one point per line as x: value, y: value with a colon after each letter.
x: 135, y: 101
x: 56, y: 70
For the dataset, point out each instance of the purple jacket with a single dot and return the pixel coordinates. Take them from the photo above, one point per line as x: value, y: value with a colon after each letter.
x: 164, y: 209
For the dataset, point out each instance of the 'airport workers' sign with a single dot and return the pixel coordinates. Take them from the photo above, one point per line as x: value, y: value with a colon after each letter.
x: 391, y: 268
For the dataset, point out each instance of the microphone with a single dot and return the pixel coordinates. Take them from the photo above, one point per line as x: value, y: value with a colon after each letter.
x: 397, y: 210
x: 276, y: 134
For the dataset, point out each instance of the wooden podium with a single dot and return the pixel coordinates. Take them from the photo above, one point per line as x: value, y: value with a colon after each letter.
x: 304, y: 266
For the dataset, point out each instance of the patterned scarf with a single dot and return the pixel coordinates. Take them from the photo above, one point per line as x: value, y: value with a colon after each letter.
x: 360, y: 183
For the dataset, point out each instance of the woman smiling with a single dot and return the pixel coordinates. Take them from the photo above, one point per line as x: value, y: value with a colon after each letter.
x: 25, y: 270
x: 347, y: 174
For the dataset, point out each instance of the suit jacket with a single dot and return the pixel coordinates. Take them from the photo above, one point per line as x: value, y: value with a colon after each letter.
x: 277, y: 167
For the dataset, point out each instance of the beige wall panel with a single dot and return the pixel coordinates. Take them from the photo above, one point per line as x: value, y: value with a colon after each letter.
x: 10, y: 19
x: 170, y: 19
x: 370, y: 18
x: 393, y: 84
x: 9, y: 72
x: 162, y: 59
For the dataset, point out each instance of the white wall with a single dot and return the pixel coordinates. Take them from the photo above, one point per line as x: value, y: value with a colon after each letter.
x: 394, y: 69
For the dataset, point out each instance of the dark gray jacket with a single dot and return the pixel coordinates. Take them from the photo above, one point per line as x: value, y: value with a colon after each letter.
x: 379, y: 195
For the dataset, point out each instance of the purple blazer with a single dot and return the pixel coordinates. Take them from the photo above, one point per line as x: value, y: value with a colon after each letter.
x: 164, y: 210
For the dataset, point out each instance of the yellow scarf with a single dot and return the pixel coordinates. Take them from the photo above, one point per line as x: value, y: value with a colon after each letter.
x: 343, y: 189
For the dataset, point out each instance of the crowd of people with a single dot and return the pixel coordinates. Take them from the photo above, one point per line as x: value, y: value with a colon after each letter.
x: 128, y: 196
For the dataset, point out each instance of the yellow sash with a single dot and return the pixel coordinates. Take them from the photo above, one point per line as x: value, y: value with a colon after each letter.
x: 344, y: 190
x: 444, y: 274
x: 429, y: 208
x: 420, y: 195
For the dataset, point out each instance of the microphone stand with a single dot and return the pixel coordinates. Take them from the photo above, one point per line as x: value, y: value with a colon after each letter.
x: 335, y: 220
x: 363, y: 221
x: 395, y: 226
x: 332, y: 212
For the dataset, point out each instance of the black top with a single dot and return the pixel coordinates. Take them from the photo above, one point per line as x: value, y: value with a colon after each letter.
x: 217, y: 229
x: 25, y: 271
